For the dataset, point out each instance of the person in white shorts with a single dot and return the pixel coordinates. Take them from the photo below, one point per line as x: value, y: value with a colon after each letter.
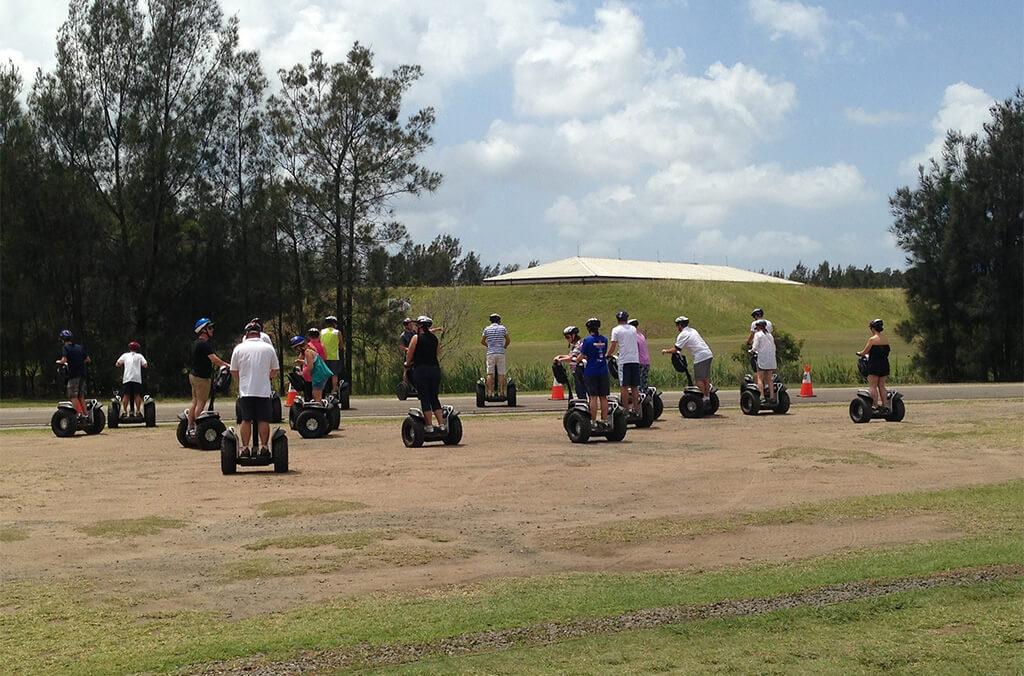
x: 496, y: 339
x: 757, y: 314
x: 764, y: 346
x: 689, y: 339
x: 131, y: 380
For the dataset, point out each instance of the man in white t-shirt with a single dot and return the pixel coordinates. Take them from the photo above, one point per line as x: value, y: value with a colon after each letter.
x: 624, y: 347
x: 496, y: 339
x: 764, y: 346
x: 254, y: 365
x: 757, y: 315
x: 689, y: 339
x: 131, y: 380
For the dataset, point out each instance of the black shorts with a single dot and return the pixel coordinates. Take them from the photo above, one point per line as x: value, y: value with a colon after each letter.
x: 335, y: 366
x: 597, y: 386
x: 256, y: 409
x: 131, y: 389
x: 629, y: 375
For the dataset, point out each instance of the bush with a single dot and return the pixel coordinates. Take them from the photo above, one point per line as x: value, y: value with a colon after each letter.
x: 787, y: 352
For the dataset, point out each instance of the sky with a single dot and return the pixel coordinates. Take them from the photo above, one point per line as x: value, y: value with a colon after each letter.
x: 754, y: 133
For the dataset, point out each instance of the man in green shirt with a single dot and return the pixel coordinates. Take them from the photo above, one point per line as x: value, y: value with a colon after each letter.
x: 334, y: 342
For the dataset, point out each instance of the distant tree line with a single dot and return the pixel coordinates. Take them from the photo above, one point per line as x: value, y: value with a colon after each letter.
x: 850, y: 277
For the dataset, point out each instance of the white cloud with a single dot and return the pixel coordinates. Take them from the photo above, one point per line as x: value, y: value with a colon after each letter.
x: 794, y: 20
x: 881, y: 118
x: 764, y: 246
x: 965, y: 109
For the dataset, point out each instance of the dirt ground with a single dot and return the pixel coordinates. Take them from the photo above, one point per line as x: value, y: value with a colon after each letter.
x: 360, y: 513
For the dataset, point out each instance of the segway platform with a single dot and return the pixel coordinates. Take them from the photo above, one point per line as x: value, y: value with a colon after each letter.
x: 148, y: 415
x: 751, y: 402
x: 481, y: 393
x: 691, y: 403
x: 66, y: 420
x: 230, y: 460
x: 863, y: 409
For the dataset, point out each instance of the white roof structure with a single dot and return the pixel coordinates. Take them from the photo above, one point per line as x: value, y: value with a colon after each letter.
x: 582, y: 270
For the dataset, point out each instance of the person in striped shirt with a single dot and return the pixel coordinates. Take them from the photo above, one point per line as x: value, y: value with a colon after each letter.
x: 496, y: 339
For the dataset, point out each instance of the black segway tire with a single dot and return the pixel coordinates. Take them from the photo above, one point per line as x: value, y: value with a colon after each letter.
x: 149, y: 413
x: 897, y: 410
x: 279, y: 448
x: 481, y: 395
x: 293, y: 415
x: 64, y: 422
x: 312, y: 424
x: 454, y: 432
x: 782, y: 407
x: 659, y: 406
x: 619, y: 426
x: 209, y: 433
x: 345, y: 399
x: 99, y: 421
x: 402, y: 391
x: 713, y: 404
x: 228, y: 454
x: 412, y: 433
x: 115, y: 415
x: 577, y: 426
x: 181, y: 432
x: 511, y: 392
x: 750, y: 403
x: 860, y: 411
x: 646, y: 414
x: 334, y: 417
x: 691, y: 406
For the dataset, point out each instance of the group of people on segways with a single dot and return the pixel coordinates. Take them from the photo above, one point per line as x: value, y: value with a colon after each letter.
x: 764, y: 390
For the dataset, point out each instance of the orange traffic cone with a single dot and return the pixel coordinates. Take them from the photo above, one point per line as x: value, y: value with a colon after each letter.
x: 806, y: 387
x: 557, y: 391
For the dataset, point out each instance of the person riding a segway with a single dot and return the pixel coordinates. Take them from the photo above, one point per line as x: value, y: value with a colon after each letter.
x: 877, y: 401
x: 130, y: 407
x: 598, y: 416
x: 701, y: 400
x: 626, y: 351
x: 77, y: 413
x: 495, y: 386
x: 756, y: 315
x: 423, y: 357
x: 652, y: 393
x: 254, y: 365
x: 311, y: 414
x: 577, y: 364
x: 333, y: 341
x: 767, y: 391
x: 200, y: 375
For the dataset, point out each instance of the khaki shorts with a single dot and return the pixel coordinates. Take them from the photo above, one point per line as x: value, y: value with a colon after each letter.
x: 200, y: 388
x: 496, y: 361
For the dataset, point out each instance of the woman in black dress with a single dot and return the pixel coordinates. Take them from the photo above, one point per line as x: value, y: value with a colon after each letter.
x: 422, y: 355
x: 877, y: 351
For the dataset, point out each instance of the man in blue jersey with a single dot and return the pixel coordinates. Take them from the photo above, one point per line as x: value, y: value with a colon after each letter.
x: 595, y: 375
x: 496, y: 339
x: 75, y: 358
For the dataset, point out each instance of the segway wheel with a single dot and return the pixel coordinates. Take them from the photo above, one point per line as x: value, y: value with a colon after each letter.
x: 182, y: 433
x: 293, y: 415
x: 275, y: 409
x: 312, y: 424
x: 149, y: 413
x: 783, y: 406
x: 510, y: 390
x: 99, y: 421
x: 750, y: 403
x: 860, y: 411
x: 402, y: 391
x: 713, y: 403
x: 334, y: 417
x: 64, y: 422
x: 659, y: 406
x: 577, y: 425
x: 279, y: 447
x: 481, y: 393
x: 454, y: 432
x: 115, y: 414
x: 691, y: 406
x: 228, y: 454
x: 412, y: 433
x: 897, y: 409
x: 618, y: 432
x: 646, y: 414
x: 209, y: 433
x: 345, y: 399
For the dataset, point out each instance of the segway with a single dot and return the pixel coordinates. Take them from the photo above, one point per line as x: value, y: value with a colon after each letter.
x: 647, y: 412
x: 581, y: 428
x: 750, y: 399
x: 147, y: 415
x: 863, y: 409
x: 481, y: 392
x: 230, y: 460
x: 66, y: 420
x: 415, y: 434
x: 691, y: 404
x: 310, y: 418
x: 209, y: 428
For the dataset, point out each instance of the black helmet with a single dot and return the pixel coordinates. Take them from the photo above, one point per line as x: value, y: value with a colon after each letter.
x: 758, y: 312
x: 634, y: 322
x: 496, y: 318
x: 593, y: 324
x: 313, y: 332
x: 875, y: 324
x: 682, y: 320
x: 257, y: 321
x: 622, y: 315
x: 570, y: 330
x: 66, y: 335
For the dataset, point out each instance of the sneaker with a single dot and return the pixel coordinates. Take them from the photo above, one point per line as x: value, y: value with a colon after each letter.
x: 245, y: 453
x: 264, y: 452
x: 428, y: 428
x: 443, y: 429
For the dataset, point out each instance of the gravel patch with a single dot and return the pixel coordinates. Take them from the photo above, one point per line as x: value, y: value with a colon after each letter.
x: 364, y: 655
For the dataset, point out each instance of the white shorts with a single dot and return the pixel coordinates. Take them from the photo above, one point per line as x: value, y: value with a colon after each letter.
x: 496, y: 361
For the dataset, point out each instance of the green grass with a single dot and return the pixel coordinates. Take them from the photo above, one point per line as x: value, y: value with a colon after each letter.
x: 123, y: 528
x: 276, y: 509
x: 12, y: 535
x: 48, y: 626
x: 976, y: 629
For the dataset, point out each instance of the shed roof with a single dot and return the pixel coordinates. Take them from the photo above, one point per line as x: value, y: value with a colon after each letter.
x: 582, y: 270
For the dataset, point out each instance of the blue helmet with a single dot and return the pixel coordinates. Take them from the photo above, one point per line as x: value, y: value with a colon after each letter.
x: 66, y: 335
x: 202, y: 323
x: 296, y: 341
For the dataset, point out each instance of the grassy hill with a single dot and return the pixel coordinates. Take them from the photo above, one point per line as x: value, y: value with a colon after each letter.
x: 833, y: 322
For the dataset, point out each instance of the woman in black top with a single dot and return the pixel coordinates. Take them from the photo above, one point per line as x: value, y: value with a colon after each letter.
x: 426, y: 375
x: 877, y: 351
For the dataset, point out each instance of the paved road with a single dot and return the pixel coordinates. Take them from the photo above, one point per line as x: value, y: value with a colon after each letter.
x: 533, y: 403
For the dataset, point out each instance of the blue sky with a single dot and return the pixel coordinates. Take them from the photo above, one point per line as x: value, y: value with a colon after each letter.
x: 756, y: 132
